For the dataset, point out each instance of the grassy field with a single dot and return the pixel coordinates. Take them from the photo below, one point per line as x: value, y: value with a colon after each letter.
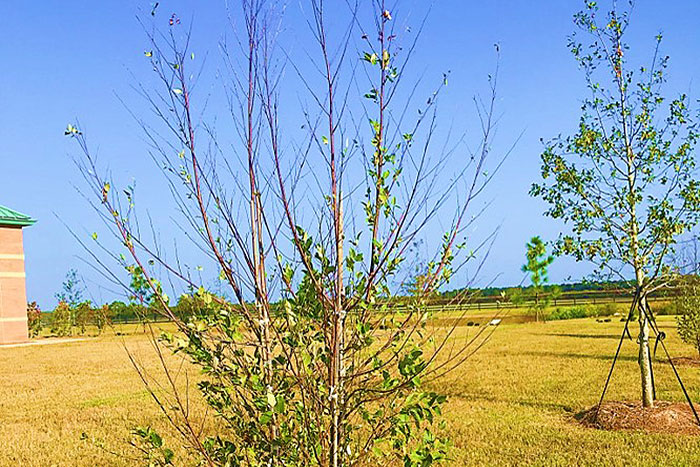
x: 511, y: 404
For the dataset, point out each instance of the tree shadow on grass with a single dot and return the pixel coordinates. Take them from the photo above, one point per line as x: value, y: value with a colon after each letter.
x: 584, y: 336
x: 540, y: 353
x: 536, y: 404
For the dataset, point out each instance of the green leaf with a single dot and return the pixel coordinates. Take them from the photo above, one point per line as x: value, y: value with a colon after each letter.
x: 370, y: 58
x: 71, y: 131
x: 265, y: 418
x: 280, y: 405
x: 155, y: 438
x: 271, y: 399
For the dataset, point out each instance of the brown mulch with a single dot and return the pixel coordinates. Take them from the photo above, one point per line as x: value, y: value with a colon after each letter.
x: 684, y: 361
x: 664, y: 417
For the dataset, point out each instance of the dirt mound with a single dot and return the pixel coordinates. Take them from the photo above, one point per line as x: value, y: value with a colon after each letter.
x: 664, y: 417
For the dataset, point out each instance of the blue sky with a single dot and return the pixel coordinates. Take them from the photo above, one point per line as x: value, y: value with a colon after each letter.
x: 64, y: 61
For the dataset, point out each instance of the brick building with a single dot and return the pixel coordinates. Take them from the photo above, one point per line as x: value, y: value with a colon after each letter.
x: 13, y: 296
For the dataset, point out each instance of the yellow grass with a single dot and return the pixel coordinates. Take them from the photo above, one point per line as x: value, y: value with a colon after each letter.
x: 51, y: 394
x: 511, y: 404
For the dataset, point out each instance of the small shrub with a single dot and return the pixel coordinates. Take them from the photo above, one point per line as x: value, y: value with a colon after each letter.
x: 573, y: 312
x: 586, y: 311
x: 667, y: 308
x: 34, y: 323
x: 608, y: 309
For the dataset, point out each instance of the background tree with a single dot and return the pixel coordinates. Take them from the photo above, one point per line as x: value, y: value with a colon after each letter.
x: 536, y: 267
x: 72, y: 289
x: 121, y: 311
x: 310, y: 362
x: 688, y: 309
x: 62, y: 320
x: 624, y: 181
x: 554, y: 292
x: 34, y: 323
x: 687, y: 256
x: 102, y: 317
x: 84, y: 316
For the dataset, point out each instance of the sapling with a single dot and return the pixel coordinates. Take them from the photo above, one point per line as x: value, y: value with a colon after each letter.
x: 310, y: 357
x: 536, y: 267
x: 624, y: 181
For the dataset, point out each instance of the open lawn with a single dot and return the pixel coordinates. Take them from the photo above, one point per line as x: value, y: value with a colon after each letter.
x: 511, y: 404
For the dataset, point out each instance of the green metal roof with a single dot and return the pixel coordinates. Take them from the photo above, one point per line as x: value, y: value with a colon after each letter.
x: 10, y: 217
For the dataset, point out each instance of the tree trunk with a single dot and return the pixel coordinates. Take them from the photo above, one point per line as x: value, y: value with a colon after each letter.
x: 645, y: 357
x: 638, y: 261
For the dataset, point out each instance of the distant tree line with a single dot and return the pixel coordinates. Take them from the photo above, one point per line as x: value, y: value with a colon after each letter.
x: 582, y: 286
x: 70, y: 318
x: 75, y: 315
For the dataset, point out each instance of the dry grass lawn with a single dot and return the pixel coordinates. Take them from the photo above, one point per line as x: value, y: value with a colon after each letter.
x: 512, y: 404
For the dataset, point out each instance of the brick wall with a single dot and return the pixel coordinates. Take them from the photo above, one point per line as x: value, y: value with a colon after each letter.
x: 13, y: 296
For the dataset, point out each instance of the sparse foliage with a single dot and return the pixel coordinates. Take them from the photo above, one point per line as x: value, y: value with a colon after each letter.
x: 625, y: 180
x: 313, y: 361
x: 149, y: 443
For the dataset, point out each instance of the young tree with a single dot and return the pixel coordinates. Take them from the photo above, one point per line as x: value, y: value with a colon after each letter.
x: 311, y: 362
x: 536, y: 266
x: 624, y: 181
x: 72, y: 289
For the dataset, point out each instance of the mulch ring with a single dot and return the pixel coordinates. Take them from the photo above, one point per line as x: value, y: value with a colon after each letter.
x: 684, y: 361
x: 664, y: 417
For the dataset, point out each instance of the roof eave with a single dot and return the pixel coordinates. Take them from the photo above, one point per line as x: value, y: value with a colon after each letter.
x: 17, y: 222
